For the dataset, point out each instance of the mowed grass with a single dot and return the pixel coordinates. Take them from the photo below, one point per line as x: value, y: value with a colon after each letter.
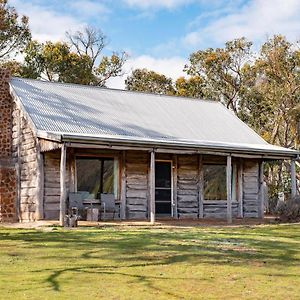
x: 259, y: 262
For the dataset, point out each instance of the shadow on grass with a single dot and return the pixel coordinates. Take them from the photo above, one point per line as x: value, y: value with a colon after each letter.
x: 133, y: 248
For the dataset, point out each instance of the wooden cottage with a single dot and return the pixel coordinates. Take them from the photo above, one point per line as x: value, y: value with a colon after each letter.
x: 157, y: 156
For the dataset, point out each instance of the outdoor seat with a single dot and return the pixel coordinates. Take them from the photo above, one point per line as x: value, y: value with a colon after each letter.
x: 77, y: 203
x: 108, y: 205
x: 75, y: 200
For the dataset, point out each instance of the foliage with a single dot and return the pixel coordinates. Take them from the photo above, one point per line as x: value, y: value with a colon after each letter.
x: 149, y: 81
x: 79, y: 60
x: 56, y: 62
x: 109, y: 67
x: 13, y: 66
x: 90, y: 43
x: 289, y: 210
x: 190, y: 87
x: 74, y: 62
x: 222, y: 70
x: 273, y: 92
x: 14, y: 31
x: 151, y: 263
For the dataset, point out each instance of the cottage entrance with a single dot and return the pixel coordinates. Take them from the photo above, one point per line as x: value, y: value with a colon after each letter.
x: 163, y: 188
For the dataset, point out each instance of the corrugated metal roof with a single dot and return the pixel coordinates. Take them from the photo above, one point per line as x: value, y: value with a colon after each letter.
x: 86, y: 111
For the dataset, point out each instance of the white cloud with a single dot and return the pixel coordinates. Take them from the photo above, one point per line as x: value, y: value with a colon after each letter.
x: 89, y: 8
x: 255, y: 20
x: 46, y: 24
x: 146, y: 4
x: 192, y: 39
x: 171, y: 67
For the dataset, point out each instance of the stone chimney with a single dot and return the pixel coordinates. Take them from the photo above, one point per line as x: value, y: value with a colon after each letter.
x: 8, y: 186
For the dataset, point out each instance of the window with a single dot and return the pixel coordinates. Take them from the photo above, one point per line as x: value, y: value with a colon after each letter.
x: 97, y: 176
x: 214, y: 182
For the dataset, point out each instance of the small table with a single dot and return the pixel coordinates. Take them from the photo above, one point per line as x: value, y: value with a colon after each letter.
x: 91, y: 203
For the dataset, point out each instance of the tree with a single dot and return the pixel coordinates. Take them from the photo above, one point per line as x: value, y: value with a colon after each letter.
x: 273, y: 92
x: 76, y: 61
x: 14, y: 31
x: 55, y: 62
x: 222, y: 70
x: 90, y: 43
x: 14, y: 67
x: 190, y: 87
x: 144, y: 80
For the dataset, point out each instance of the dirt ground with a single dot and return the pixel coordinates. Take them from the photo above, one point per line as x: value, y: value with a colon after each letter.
x: 158, y: 223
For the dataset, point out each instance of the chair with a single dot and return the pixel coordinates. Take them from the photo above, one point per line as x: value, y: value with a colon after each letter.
x: 108, y: 204
x: 76, y: 203
x: 75, y: 200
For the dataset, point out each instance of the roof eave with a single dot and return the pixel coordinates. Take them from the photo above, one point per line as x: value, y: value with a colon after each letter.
x: 276, y: 153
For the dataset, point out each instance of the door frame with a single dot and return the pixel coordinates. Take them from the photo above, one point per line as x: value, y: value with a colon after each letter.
x: 172, y: 183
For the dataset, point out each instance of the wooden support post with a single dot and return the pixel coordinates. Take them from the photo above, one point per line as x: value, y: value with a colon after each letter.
x: 261, y: 191
x: 123, y: 187
x: 175, y: 200
x: 240, y: 190
x: 200, y: 187
x: 63, y: 192
x: 228, y: 184
x: 152, y: 187
x: 40, y: 184
x: 72, y: 171
x: 293, y: 179
x: 18, y: 165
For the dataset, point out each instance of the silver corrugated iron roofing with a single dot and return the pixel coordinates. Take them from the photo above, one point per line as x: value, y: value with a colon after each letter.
x: 83, y: 112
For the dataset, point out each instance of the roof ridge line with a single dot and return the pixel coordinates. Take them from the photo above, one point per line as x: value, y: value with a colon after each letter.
x: 77, y: 85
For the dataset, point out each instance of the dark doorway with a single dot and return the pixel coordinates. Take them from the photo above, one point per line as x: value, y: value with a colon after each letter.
x: 163, y: 188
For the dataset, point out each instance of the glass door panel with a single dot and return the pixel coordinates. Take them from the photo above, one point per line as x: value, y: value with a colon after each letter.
x: 163, y: 188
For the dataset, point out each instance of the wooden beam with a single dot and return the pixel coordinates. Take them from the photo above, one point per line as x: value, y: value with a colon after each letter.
x: 123, y: 187
x: 175, y: 175
x: 228, y: 184
x: 19, y: 121
x: 106, y: 146
x: 72, y: 171
x: 152, y: 186
x: 293, y: 179
x: 261, y: 190
x: 63, y: 192
x: 40, y: 184
x: 200, y: 187
x: 240, y: 190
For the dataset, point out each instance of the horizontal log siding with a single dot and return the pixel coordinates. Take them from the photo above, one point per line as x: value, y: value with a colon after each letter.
x: 187, y: 186
x: 52, y: 184
x: 250, y: 189
x: 218, y: 209
x: 137, y: 166
x: 25, y: 155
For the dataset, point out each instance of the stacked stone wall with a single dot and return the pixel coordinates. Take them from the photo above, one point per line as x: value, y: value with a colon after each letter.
x: 7, y: 165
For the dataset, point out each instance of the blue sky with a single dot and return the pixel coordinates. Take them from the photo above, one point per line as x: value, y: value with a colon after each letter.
x: 160, y: 34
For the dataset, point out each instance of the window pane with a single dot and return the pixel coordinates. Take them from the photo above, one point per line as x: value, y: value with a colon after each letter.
x: 108, y: 176
x: 88, y: 176
x: 214, y: 182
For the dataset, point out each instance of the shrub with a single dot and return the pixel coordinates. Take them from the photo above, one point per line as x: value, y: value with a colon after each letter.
x: 289, y: 210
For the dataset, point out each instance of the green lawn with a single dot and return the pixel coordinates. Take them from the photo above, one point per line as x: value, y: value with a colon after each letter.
x: 261, y: 262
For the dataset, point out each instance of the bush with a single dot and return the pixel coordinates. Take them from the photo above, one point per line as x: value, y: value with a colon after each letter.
x: 289, y: 210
